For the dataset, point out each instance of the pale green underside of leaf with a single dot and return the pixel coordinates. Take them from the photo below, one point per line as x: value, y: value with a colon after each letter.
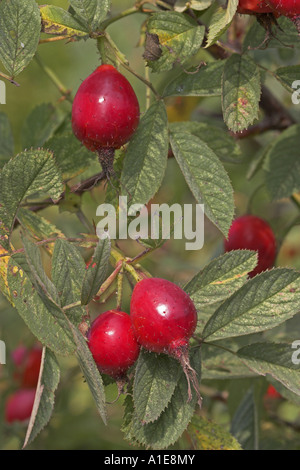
x: 274, y: 359
x: 45, y: 396
x: 206, y: 177
x: 146, y: 157
x: 241, y: 91
x: 266, y: 301
x: 20, y: 26
x: 287, y: 76
x: 221, y: 21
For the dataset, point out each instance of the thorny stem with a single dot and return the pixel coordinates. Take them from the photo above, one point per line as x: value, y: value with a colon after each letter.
x: 130, y: 11
x: 120, y: 279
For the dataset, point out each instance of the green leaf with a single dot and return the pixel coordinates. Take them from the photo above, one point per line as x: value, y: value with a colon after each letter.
x: 282, y: 164
x: 207, y: 81
x: 38, y: 226
x: 58, y: 21
x: 221, y: 277
x: 219, y: 141
x: 286, y: 34
x: 70, y: 155
x: 244, y: 425
x: 95, y: 274
x: 90, y: 372
x: 241, y: 91
x: 40, y: 125
x: 39, y: 278
x: 207, y: 435
x: 26, y: 174
x: 267, y: 300
x: 180, y: 37
x: 287, y: 76
x: 6, y: 139
x: 47, y: 323
x: 170, y: 425
x: 217, y: 363
x: 45, y: 396
x: 275, y: 360
x: 206, y: 177
x: 156, y: 377
x: 146, y: 157
x: 92, y: 12
x: 220, y: 21
x: 68, y: 271
x: 20, y: 26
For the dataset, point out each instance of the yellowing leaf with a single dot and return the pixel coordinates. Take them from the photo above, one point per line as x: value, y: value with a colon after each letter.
x: 207, y: 435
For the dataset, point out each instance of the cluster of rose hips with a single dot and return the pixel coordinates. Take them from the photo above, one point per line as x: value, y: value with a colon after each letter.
x: 19, y: 404
x: 162, y: 319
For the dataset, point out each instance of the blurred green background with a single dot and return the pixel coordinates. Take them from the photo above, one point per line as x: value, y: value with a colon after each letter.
x: 75, y: 423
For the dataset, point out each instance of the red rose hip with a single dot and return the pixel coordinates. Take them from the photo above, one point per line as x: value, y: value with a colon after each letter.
x: 112, y: 343
x: 18, y: 406
x: 253, y: 233
x: 105, y: 113
x: 164, y: 318
x: 253, y: 6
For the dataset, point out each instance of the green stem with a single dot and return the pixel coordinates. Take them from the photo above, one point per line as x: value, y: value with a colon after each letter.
x: 121, y: 15
x: 295, y: 201
x: 53, y: 77
x: 101, y: 49
x: 124, y: 62
x: 84, y: 220
x: 120, y: 279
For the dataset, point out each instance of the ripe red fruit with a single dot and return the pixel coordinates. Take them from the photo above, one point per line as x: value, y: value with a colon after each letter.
x: 112, y: 343
x: 250, y: 7
x: 105, y: 113
x: 272, y: 393
x: 253, y: 233
x: 164, y: 318
x: 28, y: 362
x: 289, y: 8
x: 18, y: 406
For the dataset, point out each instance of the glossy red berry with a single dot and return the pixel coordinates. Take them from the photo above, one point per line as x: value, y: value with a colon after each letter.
x: 289, y: 8
x: 27, y: 362
x: 18, y: 406
x: 253, y: 233
x: 105, y: 112
x: 112, y: 343
x: 253, y: 6
x: 164, y: 319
